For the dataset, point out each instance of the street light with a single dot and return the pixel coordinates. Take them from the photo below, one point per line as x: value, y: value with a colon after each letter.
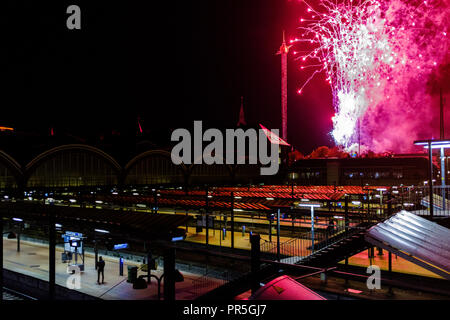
x: 101, y: 231
x: 381, y: 199
x: 435, y: 144
x: 20, y: 220
x: 311, y: 205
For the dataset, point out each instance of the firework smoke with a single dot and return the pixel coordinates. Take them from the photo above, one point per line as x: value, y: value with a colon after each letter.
x: 379, y: 57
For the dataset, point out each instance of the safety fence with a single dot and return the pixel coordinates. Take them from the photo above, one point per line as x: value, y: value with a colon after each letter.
x: 210, y: 281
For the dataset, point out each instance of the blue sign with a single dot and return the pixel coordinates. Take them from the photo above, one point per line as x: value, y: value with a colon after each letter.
x: 120, y: 246
x: 74, y: 234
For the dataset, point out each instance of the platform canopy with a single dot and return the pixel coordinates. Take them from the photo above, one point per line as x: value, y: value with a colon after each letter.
x: 415, y: 239
x: 114, y: 223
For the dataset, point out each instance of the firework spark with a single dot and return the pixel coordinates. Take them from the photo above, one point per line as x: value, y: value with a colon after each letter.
x: 370, y: 51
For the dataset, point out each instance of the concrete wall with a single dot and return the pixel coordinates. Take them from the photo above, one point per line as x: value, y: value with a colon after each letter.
x: 333, y: 173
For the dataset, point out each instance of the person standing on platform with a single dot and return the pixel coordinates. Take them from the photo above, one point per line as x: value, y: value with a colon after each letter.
x: 101, y: 270
x: 330, y: 227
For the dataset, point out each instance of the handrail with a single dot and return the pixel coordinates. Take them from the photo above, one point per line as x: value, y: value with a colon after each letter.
x: 300, y: 247
x: 204, y: 281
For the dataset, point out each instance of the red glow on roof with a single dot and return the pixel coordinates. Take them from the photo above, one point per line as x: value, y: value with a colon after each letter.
x: 285, y: 288
x: 354, y: 290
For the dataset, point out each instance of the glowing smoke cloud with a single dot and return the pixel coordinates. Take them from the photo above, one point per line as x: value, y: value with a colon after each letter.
x: 378, y: 57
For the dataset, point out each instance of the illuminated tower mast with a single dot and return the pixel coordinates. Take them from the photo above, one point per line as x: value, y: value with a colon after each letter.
x: 284, y: 50
x: 442, y: 136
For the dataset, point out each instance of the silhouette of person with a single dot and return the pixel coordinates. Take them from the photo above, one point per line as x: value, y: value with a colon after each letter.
x: 101, y: 270
x: 330, y: 228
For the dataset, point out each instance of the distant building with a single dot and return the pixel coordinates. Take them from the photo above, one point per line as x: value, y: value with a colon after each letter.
x: 389, y: 171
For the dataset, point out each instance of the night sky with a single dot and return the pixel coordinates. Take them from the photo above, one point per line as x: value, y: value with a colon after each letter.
x: 167, y: 62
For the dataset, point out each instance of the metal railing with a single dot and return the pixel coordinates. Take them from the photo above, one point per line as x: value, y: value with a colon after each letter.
x: 208, y: 282
x: 303, y: 246
x: 268, y: 246
x: 417, y: 200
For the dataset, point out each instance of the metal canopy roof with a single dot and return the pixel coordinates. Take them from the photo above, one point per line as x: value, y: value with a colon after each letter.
x: 261, y: 198
x: 415, y: 239
x: 144, y: 226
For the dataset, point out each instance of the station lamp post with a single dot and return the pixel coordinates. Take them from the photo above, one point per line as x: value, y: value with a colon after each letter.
x: 311, y: 205
x: 430, y: 145
x: 381, y: 199
x: 20, y: 223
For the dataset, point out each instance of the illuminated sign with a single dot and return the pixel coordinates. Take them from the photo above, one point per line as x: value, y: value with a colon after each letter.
x: 74, y: 234
x: 120, y: 246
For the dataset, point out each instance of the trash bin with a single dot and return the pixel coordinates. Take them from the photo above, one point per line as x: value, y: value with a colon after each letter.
x: 132, y: 274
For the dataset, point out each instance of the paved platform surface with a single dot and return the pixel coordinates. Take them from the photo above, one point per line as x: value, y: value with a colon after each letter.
x: 32, y: 260
x: 240, y: 241
x: 398, y: 264
x: 362, y: 259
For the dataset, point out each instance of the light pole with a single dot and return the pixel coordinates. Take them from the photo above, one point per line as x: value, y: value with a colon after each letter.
x: 443, y: 178
x: 270, y: 226
x: 381, y: 200
x: 311, y: 205
x: 278, y: 235
x: 20, y: 222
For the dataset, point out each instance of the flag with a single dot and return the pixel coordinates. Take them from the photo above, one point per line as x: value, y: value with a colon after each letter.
x: 273, y: 138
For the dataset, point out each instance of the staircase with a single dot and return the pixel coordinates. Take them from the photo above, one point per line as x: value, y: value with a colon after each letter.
x: 331, y: 247
x: 338, y: 248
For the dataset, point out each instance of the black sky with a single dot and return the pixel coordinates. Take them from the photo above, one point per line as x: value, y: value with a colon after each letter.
x: 169, y: 62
